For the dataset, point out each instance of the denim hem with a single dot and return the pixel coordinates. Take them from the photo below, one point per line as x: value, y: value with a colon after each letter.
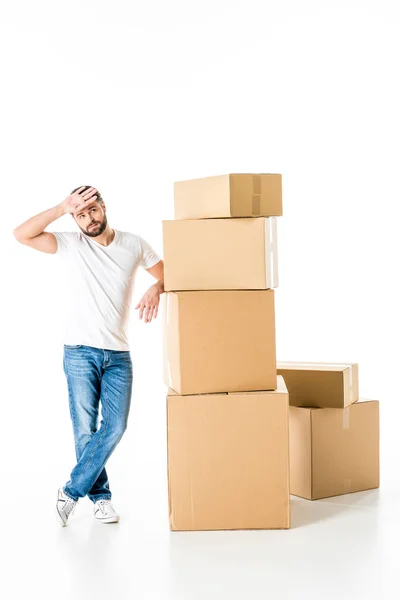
x: 100, y: 498
x: 69, y: 496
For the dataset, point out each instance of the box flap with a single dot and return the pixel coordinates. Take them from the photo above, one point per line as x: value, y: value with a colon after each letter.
x: 311, y: 366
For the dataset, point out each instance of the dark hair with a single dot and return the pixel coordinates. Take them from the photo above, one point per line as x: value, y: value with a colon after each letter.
x: 86, y: 187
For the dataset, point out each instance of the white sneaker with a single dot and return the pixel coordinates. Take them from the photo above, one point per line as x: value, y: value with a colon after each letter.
x: 65, y: 507
x: 104, y: 511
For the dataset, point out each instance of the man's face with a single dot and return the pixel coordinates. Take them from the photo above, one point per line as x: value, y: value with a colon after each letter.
x: 92, y: 220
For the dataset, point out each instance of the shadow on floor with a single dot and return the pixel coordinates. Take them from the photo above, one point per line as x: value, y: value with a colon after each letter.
x: 308, y: 512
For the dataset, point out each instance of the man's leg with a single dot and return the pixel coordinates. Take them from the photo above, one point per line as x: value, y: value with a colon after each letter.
x: 115, y: 396
x: 83, y: 370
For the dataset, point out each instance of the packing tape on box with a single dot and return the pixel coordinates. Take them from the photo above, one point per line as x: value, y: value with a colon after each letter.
x: 255, y: 206
x: 346, y: 417
x: 351, y: 390
x: 256, y: 197
x: 166, y: 341
x: 167, y: 309
x: 271, y: 252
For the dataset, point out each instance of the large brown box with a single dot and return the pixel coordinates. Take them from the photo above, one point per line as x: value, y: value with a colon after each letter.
x: 334, y: 451
x: 219, y: 341
x: 234, y: 195
x: 218, y: 254
x: 228, y: 460
x: 321, y: 385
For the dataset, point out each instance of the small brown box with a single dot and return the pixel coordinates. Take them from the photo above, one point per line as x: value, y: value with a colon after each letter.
x: 334, y: 451
x: 234, y: 195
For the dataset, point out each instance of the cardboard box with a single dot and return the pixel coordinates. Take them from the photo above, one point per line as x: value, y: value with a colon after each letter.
x: 323, y: 385
x: 228, y: 460
x: 219, y: 341
x: 334, y: 451
x: 234, y: 195
x: 220, y: 254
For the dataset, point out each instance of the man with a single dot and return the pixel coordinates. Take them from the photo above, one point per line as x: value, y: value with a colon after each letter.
x: 101, y: 264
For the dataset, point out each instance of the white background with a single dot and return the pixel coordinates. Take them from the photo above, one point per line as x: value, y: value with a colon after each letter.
x: 129, y: 97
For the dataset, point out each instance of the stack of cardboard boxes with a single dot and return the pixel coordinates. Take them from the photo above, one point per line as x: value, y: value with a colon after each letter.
x: 227, y: 406
x: 334, y: 435
x: 228, y: 439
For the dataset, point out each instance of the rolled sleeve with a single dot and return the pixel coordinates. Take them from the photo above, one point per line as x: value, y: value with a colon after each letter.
x: 149, y: 257
x: 63, y: 242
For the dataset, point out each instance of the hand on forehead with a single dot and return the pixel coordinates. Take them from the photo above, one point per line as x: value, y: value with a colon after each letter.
x: 87, y: 207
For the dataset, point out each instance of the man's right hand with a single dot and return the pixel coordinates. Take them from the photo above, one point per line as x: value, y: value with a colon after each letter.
x: 78, y: 201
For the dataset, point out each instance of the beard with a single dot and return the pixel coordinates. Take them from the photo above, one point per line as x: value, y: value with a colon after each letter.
x: 97, y: 230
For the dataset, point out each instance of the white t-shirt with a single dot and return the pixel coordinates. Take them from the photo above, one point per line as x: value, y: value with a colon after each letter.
x: 100, y: 285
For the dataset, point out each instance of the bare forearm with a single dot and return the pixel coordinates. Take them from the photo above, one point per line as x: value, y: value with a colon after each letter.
x: 159, y: 285
x: 35, y: 225
x: 148, y: 305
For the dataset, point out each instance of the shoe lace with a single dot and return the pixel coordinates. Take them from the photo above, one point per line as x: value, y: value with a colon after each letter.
x: 105, y: 505
x: 69, y: 507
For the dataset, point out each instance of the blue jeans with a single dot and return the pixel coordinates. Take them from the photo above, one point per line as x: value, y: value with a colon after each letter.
x: 93, y: 376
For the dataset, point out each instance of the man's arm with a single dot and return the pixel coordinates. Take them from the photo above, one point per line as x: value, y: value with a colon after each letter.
x: 151, y: 299
x: 31, y: 232
x: 157, y: 271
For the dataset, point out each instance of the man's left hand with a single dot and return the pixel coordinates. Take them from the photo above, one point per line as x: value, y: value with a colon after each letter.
x: 148, y: 305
